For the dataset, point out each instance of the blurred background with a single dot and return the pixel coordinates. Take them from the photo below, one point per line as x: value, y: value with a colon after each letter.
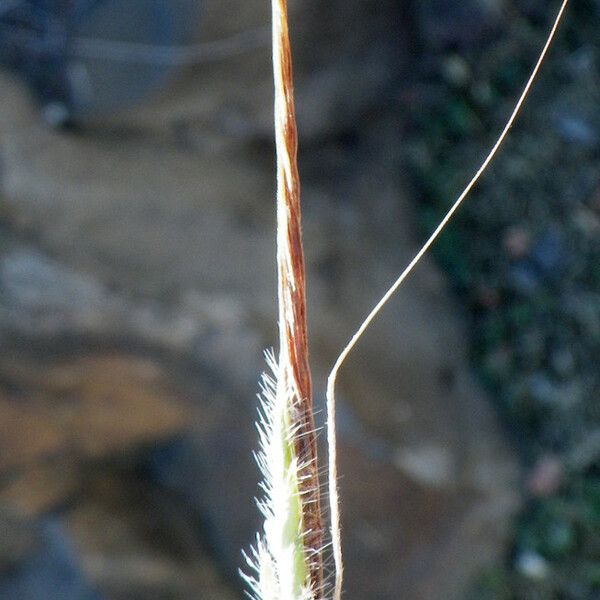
x: 137, y: 292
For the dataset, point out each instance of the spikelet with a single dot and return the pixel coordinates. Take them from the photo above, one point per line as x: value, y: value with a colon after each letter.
x: 279, y: 558
x: 287, y: 559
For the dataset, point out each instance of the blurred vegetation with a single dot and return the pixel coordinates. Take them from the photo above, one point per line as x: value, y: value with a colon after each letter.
x: 524, y: 257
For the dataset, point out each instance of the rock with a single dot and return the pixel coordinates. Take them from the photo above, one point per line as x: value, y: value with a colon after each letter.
x: 72, y: 412
x: 26, y: 436
x: 393, y: 522
x: 429, y: 465
x: 40, y: 488
x: 224, y: 481
x: 446, y: 23
x: 119, y: 403
x: 335, y: 52
x: 45, y: 566
x: 107, y: 403
x: 42, y: 297
x: 19, y: 540
x: 136, y: 543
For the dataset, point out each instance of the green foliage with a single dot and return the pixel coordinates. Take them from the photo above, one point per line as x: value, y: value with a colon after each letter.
x: 535, y: 309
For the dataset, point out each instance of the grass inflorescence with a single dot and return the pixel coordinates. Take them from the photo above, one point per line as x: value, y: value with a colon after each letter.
x: 288, y: 557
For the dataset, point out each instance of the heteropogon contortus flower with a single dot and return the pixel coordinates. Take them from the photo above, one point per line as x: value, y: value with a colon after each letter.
x: 288, y: 556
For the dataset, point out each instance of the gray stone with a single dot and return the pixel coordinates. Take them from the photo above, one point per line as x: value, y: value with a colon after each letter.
x: 47, y: 569
x: 447, y: 23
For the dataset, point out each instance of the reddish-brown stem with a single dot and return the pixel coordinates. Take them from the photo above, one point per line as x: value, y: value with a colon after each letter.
x: 293, y: 359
